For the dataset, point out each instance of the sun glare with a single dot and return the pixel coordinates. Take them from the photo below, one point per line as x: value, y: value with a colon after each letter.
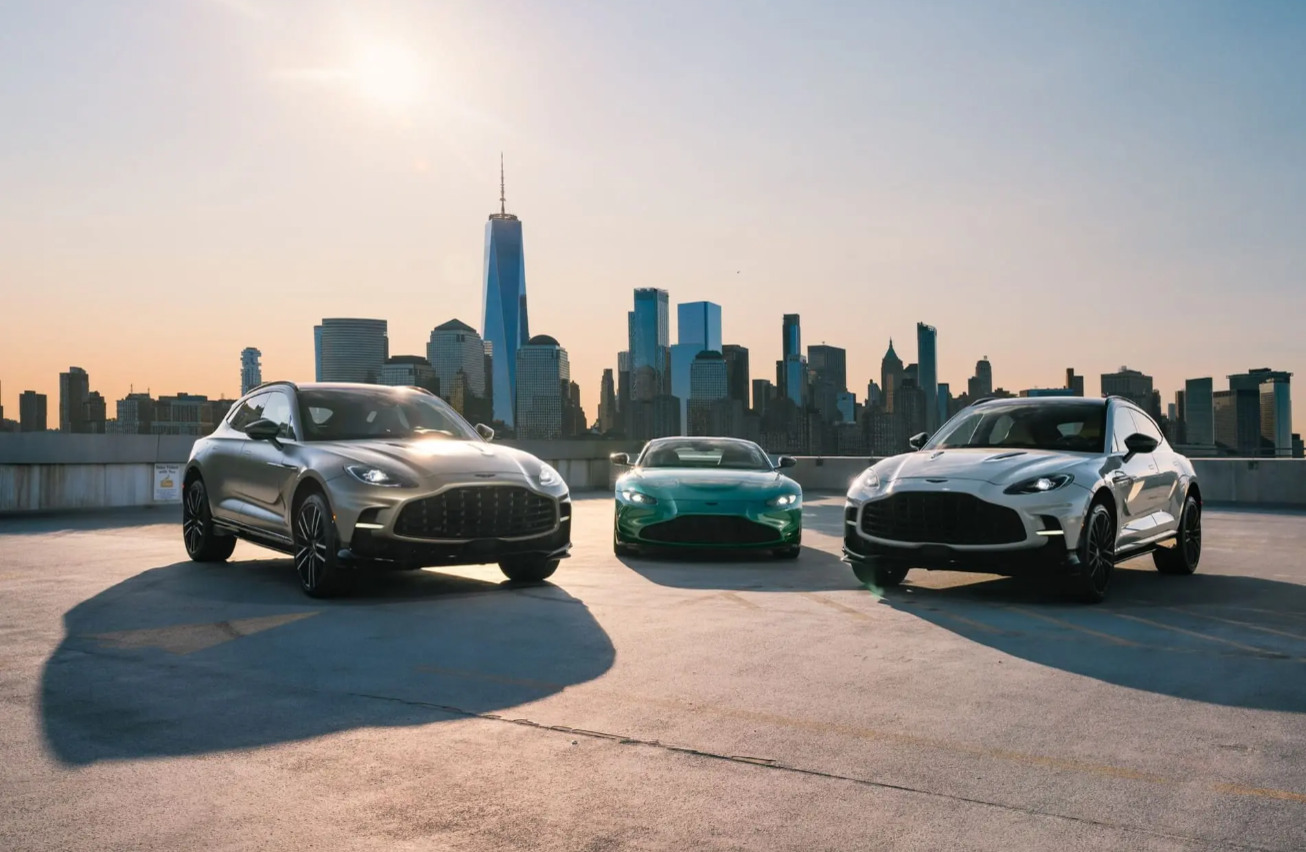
x: 389, y: 74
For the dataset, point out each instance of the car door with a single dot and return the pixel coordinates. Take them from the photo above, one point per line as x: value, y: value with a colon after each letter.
x: 1130, y: 478
x: 225, y: 473
x: 269, y: 468
x: 1162, y: 492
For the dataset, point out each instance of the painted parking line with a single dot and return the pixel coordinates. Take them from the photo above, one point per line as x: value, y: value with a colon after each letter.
x: 1069, y: 625
x: 1260, y: 652
x: 1082, y: 767
x: 1243, y: 624
x: 833, y: 604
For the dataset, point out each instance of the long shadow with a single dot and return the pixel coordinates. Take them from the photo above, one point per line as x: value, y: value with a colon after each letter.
x: 813, y: 571
x: 190, y: 659
x: 82, y: 520
x: 1230, y: 640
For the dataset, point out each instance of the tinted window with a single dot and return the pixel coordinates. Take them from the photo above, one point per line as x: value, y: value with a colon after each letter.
x: 350, y: 414
x: 1122, y: 427
x: 1144, y: 424
x: 247, y: 412
x: 277, y: 410
x: 1068, y: 427
x: 734, y: 455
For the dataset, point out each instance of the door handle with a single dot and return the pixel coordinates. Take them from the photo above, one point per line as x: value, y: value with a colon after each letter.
x: 284, y: 465
x: 1119, y: 477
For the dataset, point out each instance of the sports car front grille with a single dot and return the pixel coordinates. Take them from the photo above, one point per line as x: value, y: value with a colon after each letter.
x: 482, y: 511
x: 710, y: 529
x: 942, y: 518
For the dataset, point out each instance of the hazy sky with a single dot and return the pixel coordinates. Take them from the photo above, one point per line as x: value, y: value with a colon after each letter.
x: 1049, y: 184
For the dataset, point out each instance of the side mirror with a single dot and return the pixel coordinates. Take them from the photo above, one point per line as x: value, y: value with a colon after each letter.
x: 1140, y: 443
x: 787, y: 461
x: 917, y: 441
x: 262, y: 430
x: 485, y: 432
x: 620, y: 458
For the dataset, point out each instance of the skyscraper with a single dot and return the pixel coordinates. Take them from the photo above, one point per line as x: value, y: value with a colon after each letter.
x: 1276, y: 415
x: 711, y: 410
x: 891, y: 375
x: 317, y: 353
x: 981, y: 384
x: 737, y: 375
x: 828, y: 366
x: 505, y: 324
x: 409, y: 371
x: 135, y: 414
x: 792, y: 341
x: 1074, y: 382
x: 928, y: 372
x: 251, y: 371
x: 353, y: 349
x: 698, y: 330
x: 74, y: 388
x: 543, y: 388
x: 944, y: 402
x: 455, y: 347
x: 31, y: 411
x: 1130, y: 384
x: 791, y: 370
x: 1199, y: 412
x: 607, y: 403
x: 649, y: 337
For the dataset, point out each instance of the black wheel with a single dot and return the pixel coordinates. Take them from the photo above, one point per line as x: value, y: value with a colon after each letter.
x: 1097, y: 554
x: 1184, y: 556
x: 790, y: 552
x: 528, y: 569
x: 316, y: 548
x: 881, y: 575
x: 203, y: 544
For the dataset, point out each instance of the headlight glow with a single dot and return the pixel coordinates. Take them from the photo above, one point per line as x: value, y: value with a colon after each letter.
x: 374, y: 476
x: 549, y: 477
x: 638, y: 497
x: 868, y: 481
x: 1041, y: 484
x: 784, y: 501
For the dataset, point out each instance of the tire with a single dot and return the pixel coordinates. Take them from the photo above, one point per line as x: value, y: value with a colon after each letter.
x: 880, y: 575
x: 1097, y: 557
x: 203, y: 544
x: 316, y: 548
x: 529, y: 569
x: 1187, y: 552
x: 790, y: 552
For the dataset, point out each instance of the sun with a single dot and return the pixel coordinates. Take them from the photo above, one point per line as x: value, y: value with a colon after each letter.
x: 390, y: 74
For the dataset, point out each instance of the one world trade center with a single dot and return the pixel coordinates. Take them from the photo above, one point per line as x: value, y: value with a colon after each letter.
x: 504, y: 326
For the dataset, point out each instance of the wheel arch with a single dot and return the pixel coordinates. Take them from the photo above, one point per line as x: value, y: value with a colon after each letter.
x: 308, y: 484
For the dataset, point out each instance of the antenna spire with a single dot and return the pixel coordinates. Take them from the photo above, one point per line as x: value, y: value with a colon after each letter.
x: 503, y: 207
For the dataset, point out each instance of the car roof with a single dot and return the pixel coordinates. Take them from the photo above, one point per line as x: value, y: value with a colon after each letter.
x: 1044, y: 400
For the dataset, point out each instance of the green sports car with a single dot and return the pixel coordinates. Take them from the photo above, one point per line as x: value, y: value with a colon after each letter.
x: 707, y: 493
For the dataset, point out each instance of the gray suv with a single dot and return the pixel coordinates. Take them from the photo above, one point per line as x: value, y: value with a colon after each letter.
x: 342, y: 476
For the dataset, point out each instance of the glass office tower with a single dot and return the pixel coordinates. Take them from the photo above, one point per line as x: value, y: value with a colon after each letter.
x: 504, y: 324
x: 928, y: 373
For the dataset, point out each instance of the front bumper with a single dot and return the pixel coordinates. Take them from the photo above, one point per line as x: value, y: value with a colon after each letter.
x: 369, y: 547
x: 1051, y: 527
x: 653, y: 526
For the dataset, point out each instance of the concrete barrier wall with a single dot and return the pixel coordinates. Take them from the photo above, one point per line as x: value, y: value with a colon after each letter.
x: 52, y: 471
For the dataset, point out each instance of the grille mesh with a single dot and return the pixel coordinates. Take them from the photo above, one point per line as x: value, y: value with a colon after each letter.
x: 931, y: 517
x: 485, y: 511
x: 710, y: 529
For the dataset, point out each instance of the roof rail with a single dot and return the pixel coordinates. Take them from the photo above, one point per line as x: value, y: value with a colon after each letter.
x: 982, y: 400
x: 263, y: 385
x: 426, y: 391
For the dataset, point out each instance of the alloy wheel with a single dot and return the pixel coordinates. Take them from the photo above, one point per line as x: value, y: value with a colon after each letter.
x: 310, y: 545
x: 1099, y: 551
x: 193, y: 517
x: 1193, y: 534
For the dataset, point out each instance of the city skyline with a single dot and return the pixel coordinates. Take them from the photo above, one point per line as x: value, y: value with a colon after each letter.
x: 992, y: 196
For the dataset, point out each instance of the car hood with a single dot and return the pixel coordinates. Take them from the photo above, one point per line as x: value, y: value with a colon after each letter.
x: 1000, y: 467
x: 689, y: 484
x: 426, y: 457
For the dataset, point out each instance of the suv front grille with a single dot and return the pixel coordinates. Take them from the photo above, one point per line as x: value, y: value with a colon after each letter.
x: 481, y: 511
x: 941, y: 518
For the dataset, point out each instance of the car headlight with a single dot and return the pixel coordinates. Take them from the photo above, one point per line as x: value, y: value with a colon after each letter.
x: 548, y: 477
x: 868, y: 481
x: 784, y: 501
x: 1041, y: 484
x: 638, y: 497
x: 375, y: 476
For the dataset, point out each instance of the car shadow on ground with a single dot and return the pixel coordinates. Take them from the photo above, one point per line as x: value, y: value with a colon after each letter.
x: 1230, y: 640
x: 189, y: 659
x: 814, y: 570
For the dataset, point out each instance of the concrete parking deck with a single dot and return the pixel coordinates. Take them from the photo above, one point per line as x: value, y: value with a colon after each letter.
x: 147, y: 702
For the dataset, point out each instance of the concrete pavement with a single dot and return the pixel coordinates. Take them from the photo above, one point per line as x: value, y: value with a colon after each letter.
x: 150, y: 703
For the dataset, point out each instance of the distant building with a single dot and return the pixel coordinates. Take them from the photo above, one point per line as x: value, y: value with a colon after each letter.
x: 135, y: 414
x: 828, y: 366
x: 791, y: 370
x: 455, y: 347
x: 251, y: 370
x: 737, y: 374
x: 711, y: 410
x: 409, y: 371
x: 74, y: 388
x: 1074, y: 383
x: 32, y: 412
x: 874, y: 395
x: 791, y: 337
x: 891, y: 376
x: 846, y: 404
x: 1238, y: 421
x: 927, y: 339
x: 981, y: 384
x: 543, y: 388
x: 1199, y: 412
x: 647, y: 328
x: 317, y: 353
x: 1132, y: 385
x: 943, y: 402
x: 187, y: 414
x: 507, y: 322
x: 1037, y: 392
x: 353, y: 350
x: 763, y: 394
x: 607, y: 403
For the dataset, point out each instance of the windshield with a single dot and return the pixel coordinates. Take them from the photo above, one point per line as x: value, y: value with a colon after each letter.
x: 352, y: 414
x: 732, y: 455
x: 1067, y: 427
